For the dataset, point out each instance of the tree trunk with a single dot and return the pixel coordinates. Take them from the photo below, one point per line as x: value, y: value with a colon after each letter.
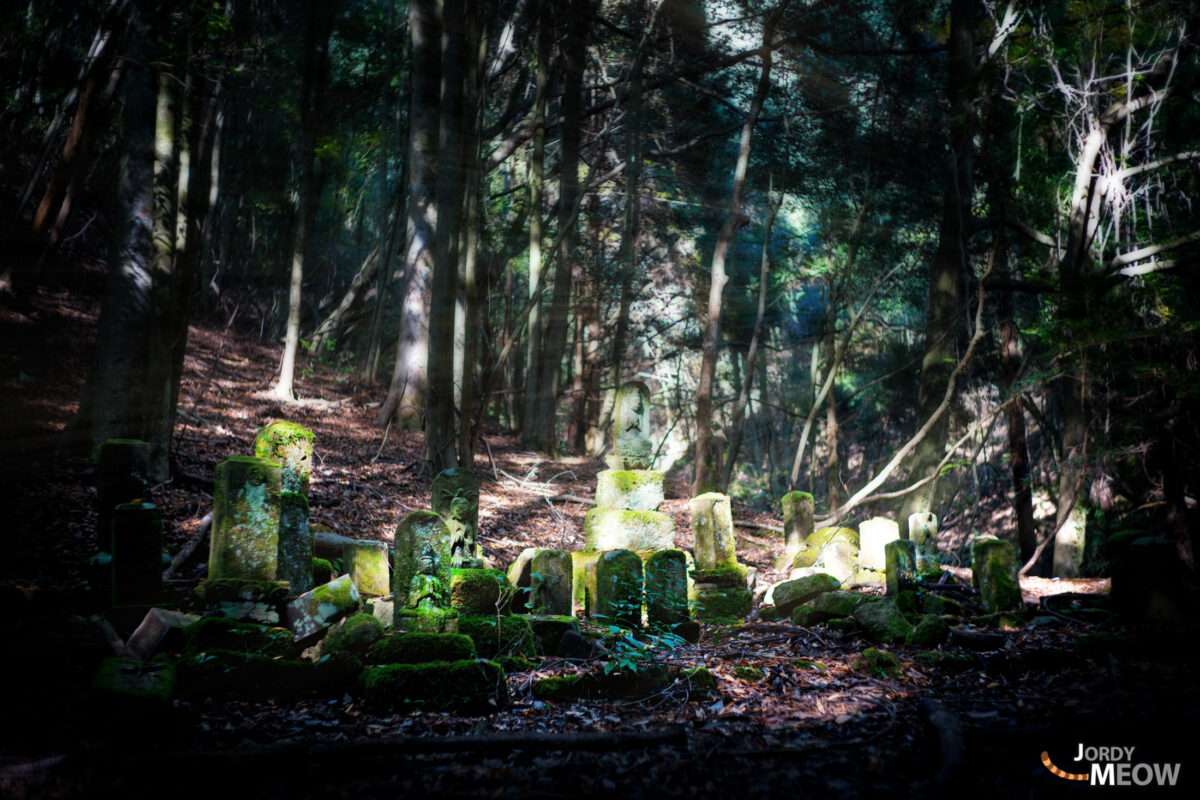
x: 738, y: 423
x: 943, y: 323
x: 405, y: 402
x: 705, y: 478
x: 318, y: 27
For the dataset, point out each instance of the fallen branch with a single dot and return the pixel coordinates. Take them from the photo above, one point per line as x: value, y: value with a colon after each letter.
x: 186, y: 553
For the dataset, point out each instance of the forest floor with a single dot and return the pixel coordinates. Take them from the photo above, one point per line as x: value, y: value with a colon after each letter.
x: 1070, y: 675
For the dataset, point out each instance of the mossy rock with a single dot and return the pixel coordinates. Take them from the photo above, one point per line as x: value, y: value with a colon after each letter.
x: 422, y: 648
x: 721, y: 576
x: 698, y: 678
x: 789, y: 594
x: 645, y: 681
x: 994, y: 572
x: 291, y: 446
x: 817, y: 541
x: 883, y: 622
x: 224, y: 673
x: 506, y: 635
x: 930, y: 631
x: 827, y: 606
x: 548, y: 631
x: 220, y: 633
x: 322, y: 570
x: 469, y: 686
x: 770, y: 614
x: 730, y: 602
x: 556, y: 687
x: 933, y: 603
x: 1003, y: 619
x: 688, y: 630
x: 906, y: 600
x: 355, y: 634
x: 749, y: 674
x: 843, y: 625
x: 808, y: 664
x: 480, y: 591
x: 877, y: 663
x: 953, y: 663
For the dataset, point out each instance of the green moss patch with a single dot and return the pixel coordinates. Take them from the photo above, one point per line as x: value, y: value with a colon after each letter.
x: 749, y: 674
x: 699, y: 678
x: 356, y: 634
x: 506, y: 635
x: 722, y: 603
x: 878, y: 663
x: 480, y: 591
x: 548, y: 631
x: 219, y: 633
x: 422, y: 648
x: 470, y: 686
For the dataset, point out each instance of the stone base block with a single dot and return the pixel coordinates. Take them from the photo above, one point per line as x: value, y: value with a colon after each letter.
x: 629, y: 489
x: 619, y: 529
x: 720, y: 602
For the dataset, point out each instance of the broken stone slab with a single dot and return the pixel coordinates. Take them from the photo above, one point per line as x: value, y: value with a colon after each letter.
x: 666, y: 575
x: 367, y: 565
x: 552, y: 577
x: 901, y: 557
x: 619, y: 529
x: 314, y: 611
x: 629, y: 489
x: 382, y: 610
x: 123, y: 476
x: 712, y: 531
x: 291, y: 447
x: 619, y: 584
x: 157, y: 629
x: 137, y: 554
x: 923, y: 531
x: 295, y: 543
x: 883, y: 622
x: 456, y: 501
x: 994, y: 573
x: 244, y: 542
x: 786, y: 595
x: 873, y: 536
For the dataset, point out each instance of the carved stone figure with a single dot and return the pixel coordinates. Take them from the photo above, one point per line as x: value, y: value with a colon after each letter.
x: 632, y: 448
x: 456, y: 501
x: 425, y: 591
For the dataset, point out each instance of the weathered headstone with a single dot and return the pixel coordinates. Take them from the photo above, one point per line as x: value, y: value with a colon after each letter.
x: 137, y: 560
x: 245, y: 527
x: 1070, y: 542
x: 632, y: 448
x: 901, y: 558
x: 712, y: 529
x: 427, y: 596
x: 873, y: 536
x: 618, y: 582
x: 520, y: 576
x: 797, y: 525
x: 415, y: 532
x: 456, y: 501
x: 994, y: 573
x: 295, y: 543
x: 831, y: 550
x: 367, y: 564
x: 666, y: 587
x: 551, y: 579
x: 123, y: 471
x: 923, y: 530
x: 291, y: 446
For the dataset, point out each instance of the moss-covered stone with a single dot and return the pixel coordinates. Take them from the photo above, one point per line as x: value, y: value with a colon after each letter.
x: 688, y: 630
x: 883, y: 622
x: 313, y: 612
x: 770, y: 614
x: 291, y: 446
x: 712, y: 531
x: 929, y: 631
x: 515, y: 664
x: 367, y: 565
x: 808, y: 664
x: 496, y: 636
x: 877, y: 663
x: 322, y: 571
x: 555, y: 687
x: 582, y: 596
x: 137, y: 680
x: 923, y: 532
x: 551, y: 582
x: 953, y: 663
x: 721, y: 602
x: 900, y: 556
x: 218, y: 633
x: 847, y: 625
x: 416, y: 532
x: 907, y: 601
x: 295, y: 543
x: 797, y: 508
x: 520, y: 575
x: 224, y: 673
x: 422, y: 648
x: 356, y: 634
x: 245, y: 529
x: 816, y: 542
x: 548, y: 631
x: 828, y: 605
x: 466, y: 686
x: 621, y: 529
x: 456, y: 501
x: 480, y: 591
x: 734, y: 575
x: 632, y: 448
x: 666, y: 587
x: 619, y: 586
x: 137, y: 554
x: 934, y: 603
x: 748, y: 674
x: 873, y: 537
x: 994, y: 571
x: 789, y: 594
x: 698, y: 678
x: 630, y: 489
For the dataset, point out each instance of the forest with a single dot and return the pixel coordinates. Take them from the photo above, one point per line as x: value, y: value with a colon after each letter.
x: 752, y: 305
